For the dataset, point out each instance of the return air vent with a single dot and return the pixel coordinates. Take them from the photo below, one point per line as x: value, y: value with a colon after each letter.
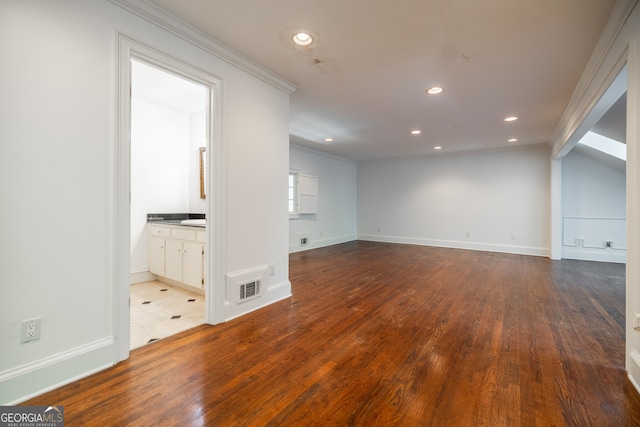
x: 250, y: 289
x: 246, y: 285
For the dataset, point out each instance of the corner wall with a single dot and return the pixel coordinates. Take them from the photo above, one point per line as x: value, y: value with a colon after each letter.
x: 593, y: 210
x: 58, y: 234
x: 336, y: 219
x: 492, y: 200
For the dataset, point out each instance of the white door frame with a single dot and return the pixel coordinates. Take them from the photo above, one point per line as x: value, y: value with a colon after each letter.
x: 216, y: 220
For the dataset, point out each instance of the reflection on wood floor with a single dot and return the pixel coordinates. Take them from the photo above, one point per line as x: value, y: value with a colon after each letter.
x: 379, y: 334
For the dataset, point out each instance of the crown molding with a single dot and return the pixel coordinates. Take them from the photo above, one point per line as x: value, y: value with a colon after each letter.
x: 181, y: 29
x: 607, y: 59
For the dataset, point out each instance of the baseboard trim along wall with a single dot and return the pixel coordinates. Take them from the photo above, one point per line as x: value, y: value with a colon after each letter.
x: 275, y: 293
x: 485, y: 247
x: 603, y: 255
x: 141, y: 276
x: 321, y: 243
x: 32, y: 379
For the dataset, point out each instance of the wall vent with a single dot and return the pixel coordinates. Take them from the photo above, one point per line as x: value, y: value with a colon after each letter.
x: 304, y: 238
x: 249, y: 289
x: 246, y: 285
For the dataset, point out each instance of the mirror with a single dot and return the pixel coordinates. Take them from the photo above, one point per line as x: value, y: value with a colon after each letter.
x: 203, y: 168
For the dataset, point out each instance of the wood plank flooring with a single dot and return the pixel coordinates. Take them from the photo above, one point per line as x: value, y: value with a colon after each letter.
x: 389, y: 335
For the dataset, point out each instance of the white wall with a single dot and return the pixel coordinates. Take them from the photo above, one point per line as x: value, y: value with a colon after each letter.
x: 58, y: 182
x: 197, y: 130
x: 160, y: 171
x: 336, y: 220
x: 618, y: 44
x: 593, y: 209
x: 500, y: 198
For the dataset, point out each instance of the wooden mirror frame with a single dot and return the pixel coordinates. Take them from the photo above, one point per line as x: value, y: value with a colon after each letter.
x: 203, y: 162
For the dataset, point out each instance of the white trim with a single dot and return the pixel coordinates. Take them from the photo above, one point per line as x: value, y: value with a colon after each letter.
x: 32, y: 379
x: 555, y: 251
x: 128, y: 49
x: 461, y: 153
x: 315, y: 244
x: 181, y: 29
x: 619, y: 257
x: 633, y: 204
x: 608, y: 58
x: 322, y: 153
x: 282, y: 288
x: 141, y: 276
x: 486, y: 247
x: 633, y: 382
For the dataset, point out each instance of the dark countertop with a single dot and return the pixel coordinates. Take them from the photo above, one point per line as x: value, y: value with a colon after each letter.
x: 174, y: 219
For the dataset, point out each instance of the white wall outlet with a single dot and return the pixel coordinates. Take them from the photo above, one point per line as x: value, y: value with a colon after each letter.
x: 579, y: 242
x: 468, y: 234
x: 636, y: 323
x: 30, y: 330
x: 272, y: 269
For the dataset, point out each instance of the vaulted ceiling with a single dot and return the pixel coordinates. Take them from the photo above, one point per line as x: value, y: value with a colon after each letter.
x: 363, y: 80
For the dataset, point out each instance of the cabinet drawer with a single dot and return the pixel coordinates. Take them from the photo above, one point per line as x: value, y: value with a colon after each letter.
x: 183, y: 234
x: 159, y: 231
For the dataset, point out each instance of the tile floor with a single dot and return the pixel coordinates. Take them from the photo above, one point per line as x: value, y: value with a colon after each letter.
x: 159, y: 310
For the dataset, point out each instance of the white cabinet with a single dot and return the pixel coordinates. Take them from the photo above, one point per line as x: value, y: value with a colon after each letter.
x: 157, y: 247
x: 156, y: 255
x: 177, y: 253
x: 193, y: 264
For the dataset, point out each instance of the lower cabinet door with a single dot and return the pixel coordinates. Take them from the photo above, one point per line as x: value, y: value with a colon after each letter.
x: 156, y: 256
x: 173, y: 264
x: 193, y: 265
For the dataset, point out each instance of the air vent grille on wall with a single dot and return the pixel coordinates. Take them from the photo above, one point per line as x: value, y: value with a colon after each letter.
x: 246, y: 285
x: 250, y: 289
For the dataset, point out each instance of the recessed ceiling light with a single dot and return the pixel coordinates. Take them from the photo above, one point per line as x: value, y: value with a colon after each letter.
x: 302, y: 39
x: 416, y: 132
x: 512, y: 140
x: 511, y: 119
x: 437, y: 147
x: 328, y: 140
x: 434, y: 90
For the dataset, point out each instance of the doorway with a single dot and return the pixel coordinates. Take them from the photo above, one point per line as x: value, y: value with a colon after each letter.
x: 213, y: 258
x: 168, y: 135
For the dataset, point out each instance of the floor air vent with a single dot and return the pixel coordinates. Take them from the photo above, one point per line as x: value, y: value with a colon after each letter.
x: 250, y: 289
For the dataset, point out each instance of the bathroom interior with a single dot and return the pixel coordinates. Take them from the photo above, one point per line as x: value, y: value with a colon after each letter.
x: 168, y: 204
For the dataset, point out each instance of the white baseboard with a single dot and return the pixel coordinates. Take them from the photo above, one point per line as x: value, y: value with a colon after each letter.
x: 32, y: 379
x: 141, y: 276
x: 602, y: 255
x: 315, y: 244
x: 452, y: 244
x: 633, y: 369
x: 275, y: 293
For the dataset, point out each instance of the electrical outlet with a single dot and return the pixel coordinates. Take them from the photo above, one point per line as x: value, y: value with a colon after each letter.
x: 608, y: 243
x: 30, y: 330
x: 579, y: 242
x: 636, y: 323
x: 272, y: 269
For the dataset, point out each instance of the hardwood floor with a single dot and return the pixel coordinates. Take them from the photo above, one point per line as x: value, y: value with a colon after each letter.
x: 380, y: 334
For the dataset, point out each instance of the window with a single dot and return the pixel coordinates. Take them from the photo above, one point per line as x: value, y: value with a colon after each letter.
x: 303, y: 194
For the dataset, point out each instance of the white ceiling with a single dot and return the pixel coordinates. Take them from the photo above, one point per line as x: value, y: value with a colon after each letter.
x: 363, y: 82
